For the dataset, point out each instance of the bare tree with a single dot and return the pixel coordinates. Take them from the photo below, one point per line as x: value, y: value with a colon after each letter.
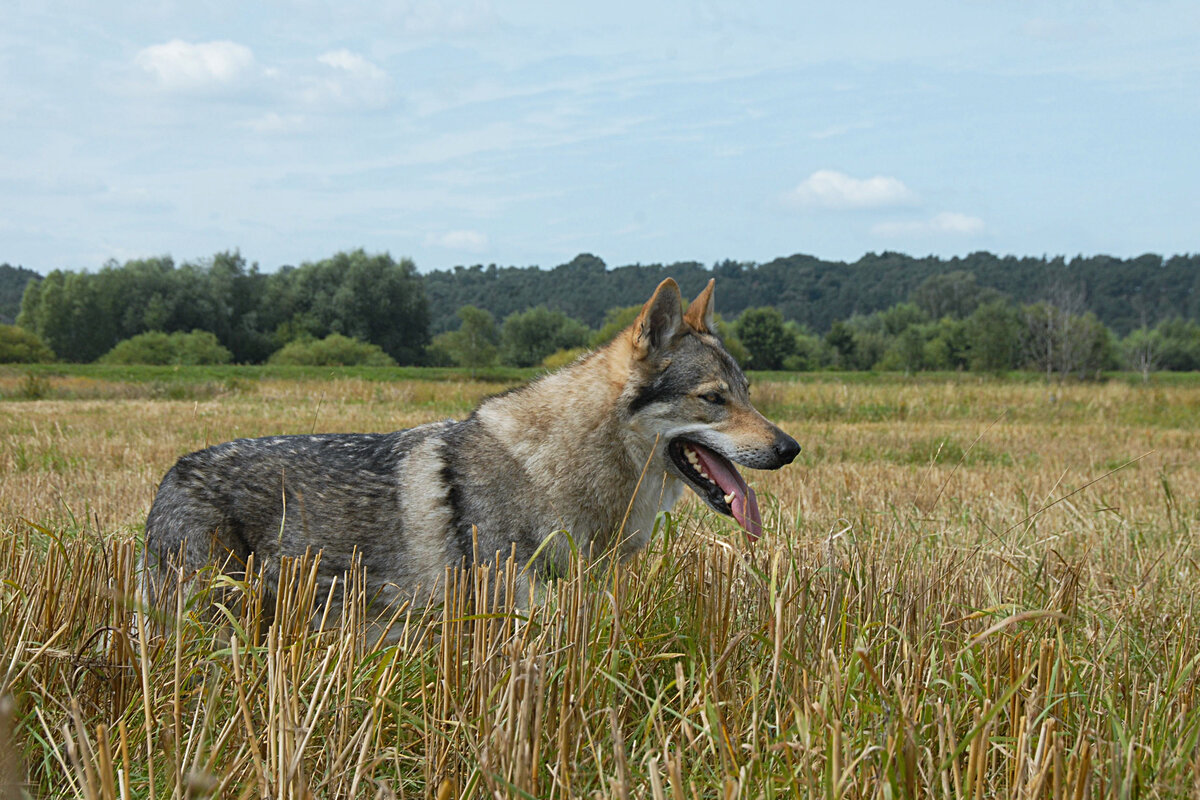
x: 1143, y: 351
x: 1143, y: 347
x: 1039, y: 340
x: 1070, y: 329
x: 1061, y: 337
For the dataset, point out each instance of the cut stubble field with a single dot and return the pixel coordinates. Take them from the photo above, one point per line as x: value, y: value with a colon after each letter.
x: 967, y: 588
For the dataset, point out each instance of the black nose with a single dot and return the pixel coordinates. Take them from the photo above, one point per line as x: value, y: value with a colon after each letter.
x: 786, y: 449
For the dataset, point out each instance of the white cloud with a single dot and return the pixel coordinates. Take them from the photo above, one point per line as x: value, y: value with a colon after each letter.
x: 953, y: 222
x: 185, y: 65
x: 352, y: 63
x: 350, y: 80
x: 830, y: 189
x: 471, y: 241
x: 947, y: 222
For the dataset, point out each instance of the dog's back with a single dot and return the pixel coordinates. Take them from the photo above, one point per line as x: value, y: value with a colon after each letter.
x: 346, y: 496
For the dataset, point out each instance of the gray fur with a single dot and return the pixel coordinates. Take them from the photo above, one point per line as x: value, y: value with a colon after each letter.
x: 573, y: 451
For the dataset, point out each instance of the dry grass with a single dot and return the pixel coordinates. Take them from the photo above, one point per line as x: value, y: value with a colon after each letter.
x: 959, y: 597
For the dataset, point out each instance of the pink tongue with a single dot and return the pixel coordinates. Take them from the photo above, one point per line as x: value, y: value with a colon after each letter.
x: 723, y: 473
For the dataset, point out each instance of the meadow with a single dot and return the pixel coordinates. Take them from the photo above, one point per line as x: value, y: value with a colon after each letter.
x: 968, y: 587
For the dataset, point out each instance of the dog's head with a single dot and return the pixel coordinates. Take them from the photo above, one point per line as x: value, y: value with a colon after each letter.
x: 688, y: 393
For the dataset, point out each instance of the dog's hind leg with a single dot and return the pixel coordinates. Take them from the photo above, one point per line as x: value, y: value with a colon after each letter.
x: 191, y: 548
x: 175, y: 582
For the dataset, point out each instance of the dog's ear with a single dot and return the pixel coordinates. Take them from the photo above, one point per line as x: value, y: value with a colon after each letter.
x: 699, y: 314
x: 660, y: 321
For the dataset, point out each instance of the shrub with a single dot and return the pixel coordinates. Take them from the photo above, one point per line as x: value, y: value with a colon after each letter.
x: 474, y: 344
x: 19, y: 346
x: 334, y: 350
x: 200, y: 347
x: 560, y: 358
x: 615, y: 321
x: 33, y: 387
x: 438, y: 354
x: 156, y: 347
x: 153, y: 347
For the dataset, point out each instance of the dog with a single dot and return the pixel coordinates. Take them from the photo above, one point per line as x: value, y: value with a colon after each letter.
x: 579, y: 460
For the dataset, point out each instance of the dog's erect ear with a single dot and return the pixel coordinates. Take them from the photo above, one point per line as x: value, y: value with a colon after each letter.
x: 660, y: 320
x: 699, y: 314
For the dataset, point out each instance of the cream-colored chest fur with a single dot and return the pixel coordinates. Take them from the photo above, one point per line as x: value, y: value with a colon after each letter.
x: 593, y: 476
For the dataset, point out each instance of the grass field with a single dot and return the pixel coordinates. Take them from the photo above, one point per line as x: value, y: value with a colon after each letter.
x: 968, y: 588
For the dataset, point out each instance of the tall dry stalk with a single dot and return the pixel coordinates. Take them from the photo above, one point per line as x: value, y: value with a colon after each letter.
x: 934, y: 613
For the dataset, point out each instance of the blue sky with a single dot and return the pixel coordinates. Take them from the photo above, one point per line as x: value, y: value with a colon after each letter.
x: 525, y: 133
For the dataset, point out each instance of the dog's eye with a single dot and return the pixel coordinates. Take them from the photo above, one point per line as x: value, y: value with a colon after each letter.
x: 715, y: 398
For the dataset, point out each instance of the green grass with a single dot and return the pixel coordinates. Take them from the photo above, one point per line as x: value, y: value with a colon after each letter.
x: 142, y: 373
x: 146, y: 373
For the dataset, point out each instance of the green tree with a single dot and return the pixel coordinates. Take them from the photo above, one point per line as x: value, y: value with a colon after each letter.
x: 727, y: 333
x: 896, y: 319
x: 841, y: 341
x: 527, y: 337
x: 13, y: 281
x: 236, y: 314
x: 19, y: 346
x: 475, y: 343
x: 993, y: 332
x: 811, y: 350
x: 1179, y: 344
x: 869, y: 349
x: 863, y: 342
x: 369, y: 297
x: 86, y: 314
x: 765, y: 336
x: 906, y: 351
x: 951, y: 294
x: 1099, y: 348
x: 946, y: 344
x: 1062, y: 343
x: 65, y: 311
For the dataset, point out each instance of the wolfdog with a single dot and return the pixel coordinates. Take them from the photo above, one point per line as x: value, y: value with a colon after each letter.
x: 582, y: 459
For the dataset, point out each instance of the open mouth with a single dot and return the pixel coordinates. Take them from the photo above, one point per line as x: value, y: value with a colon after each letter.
x: 716, y: 480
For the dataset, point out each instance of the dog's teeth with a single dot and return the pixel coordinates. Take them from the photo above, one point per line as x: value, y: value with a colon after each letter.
x: 694, y: 460
x: 729, y: 498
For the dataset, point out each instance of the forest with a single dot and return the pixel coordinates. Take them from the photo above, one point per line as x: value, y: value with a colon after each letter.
x: 887, y: 311
x: 1123, y: 293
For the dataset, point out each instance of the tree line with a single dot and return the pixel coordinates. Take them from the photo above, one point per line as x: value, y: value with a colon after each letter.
x: 1124, y: 294
x: 372, y: 298
x: 888, y: 312
x: 13, y: 281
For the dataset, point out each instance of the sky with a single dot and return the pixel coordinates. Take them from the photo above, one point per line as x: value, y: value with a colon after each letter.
x: 460, y: 132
